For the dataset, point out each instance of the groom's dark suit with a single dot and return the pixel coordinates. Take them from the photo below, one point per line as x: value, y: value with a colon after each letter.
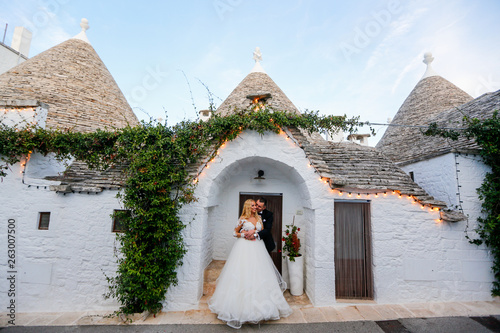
x: 265, y: 234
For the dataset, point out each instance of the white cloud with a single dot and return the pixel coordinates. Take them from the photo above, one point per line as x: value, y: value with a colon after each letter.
x: 49, y: 24
x: 395, y: 39
x: 415, y: 63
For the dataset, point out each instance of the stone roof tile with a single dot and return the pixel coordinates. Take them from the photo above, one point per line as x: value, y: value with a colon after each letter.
x: 72, y: 79
x: 256, y: 84
x: 79, y: 178
x: 425, y: 147
x: 430, y: 96
x: 351, y: 166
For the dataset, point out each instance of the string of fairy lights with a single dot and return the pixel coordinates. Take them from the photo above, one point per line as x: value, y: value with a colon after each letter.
x: 350, y: 194
x: 23, y: 172
x: 354, y: 194
x: 44, y: 187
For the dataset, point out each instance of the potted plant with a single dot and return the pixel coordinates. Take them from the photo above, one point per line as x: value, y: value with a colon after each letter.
x: 291, y: 247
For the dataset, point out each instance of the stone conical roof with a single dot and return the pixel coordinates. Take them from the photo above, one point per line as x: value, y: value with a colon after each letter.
x: 257, y: 88
x: 431, y: 96
x: 425, y: 147
x: 72, y: 79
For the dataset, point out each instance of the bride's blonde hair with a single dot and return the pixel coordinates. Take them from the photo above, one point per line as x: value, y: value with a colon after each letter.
x: 247, y: 209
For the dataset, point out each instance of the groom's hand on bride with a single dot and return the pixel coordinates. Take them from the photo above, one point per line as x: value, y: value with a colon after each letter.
x: 249, y: 235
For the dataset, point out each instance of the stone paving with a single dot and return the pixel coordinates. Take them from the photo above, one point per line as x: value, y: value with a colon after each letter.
x: 304, y: 312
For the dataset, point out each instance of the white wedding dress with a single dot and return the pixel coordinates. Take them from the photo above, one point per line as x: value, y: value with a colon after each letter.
x: 249, y: 288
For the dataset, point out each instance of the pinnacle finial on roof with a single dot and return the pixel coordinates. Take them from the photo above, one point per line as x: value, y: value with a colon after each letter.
x: 428, y: 59
x: 257, y: 56
x: 84, y: 23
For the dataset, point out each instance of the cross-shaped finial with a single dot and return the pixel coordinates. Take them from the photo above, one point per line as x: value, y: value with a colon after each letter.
x: 257, y: 55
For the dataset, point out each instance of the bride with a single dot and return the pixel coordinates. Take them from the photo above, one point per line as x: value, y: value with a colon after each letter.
x: 249, y: 288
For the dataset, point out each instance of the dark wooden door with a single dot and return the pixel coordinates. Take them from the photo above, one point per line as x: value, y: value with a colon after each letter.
x: 353, y: 258
x: 275, y: 205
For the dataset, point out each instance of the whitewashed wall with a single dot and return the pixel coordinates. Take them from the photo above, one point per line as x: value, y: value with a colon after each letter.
x: 462, y: 269
x: 419, y: 259
x: 22, y: 113
x: 415, y: 258
x: 9, y: 59
x: 437, y: 176
x: 442, y: 175
x: 60, y: 269
x: 309, y: 260
x: 470, y: 177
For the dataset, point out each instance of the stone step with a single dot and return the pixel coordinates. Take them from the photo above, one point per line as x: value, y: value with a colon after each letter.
x: 208, y: 288
x: 211, y: 274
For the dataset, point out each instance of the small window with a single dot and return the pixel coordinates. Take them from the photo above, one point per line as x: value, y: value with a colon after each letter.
x: 118, y: 216
x: 412, y: 176
x: 43, y: 221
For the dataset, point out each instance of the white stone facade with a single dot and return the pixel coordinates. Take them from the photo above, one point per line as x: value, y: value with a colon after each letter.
x: 62, y: 268
x: 9, y: 58
x: 416, y: 258
x: 453, y: 178
x: 23, y: 113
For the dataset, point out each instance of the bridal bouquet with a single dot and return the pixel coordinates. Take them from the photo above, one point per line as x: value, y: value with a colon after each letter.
x: 291, y: 242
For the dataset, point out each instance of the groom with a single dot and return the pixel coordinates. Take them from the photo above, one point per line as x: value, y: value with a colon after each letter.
x: 267, y: 221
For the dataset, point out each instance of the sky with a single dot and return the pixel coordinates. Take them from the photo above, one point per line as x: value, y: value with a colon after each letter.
x: 358, y: 58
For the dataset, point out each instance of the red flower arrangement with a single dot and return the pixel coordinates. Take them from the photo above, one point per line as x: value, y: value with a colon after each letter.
x: 291, y: 242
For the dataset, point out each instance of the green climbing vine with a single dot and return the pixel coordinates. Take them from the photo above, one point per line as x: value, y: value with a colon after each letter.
x: 158, y: 183
x: 486, y: 134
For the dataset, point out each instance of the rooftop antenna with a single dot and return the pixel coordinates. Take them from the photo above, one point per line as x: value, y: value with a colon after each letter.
x: 4, y: 33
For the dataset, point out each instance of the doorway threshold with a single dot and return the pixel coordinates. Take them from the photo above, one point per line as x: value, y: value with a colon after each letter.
x: 355, y: 301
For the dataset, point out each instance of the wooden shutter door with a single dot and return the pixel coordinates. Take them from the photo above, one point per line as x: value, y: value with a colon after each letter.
x: 353, y: 258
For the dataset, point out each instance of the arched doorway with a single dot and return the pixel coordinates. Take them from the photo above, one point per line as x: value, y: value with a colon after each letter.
x: 283, y: 186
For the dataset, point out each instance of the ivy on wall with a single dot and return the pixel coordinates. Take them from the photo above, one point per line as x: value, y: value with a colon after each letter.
x: 486, y: 134
x: 157, y: 184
